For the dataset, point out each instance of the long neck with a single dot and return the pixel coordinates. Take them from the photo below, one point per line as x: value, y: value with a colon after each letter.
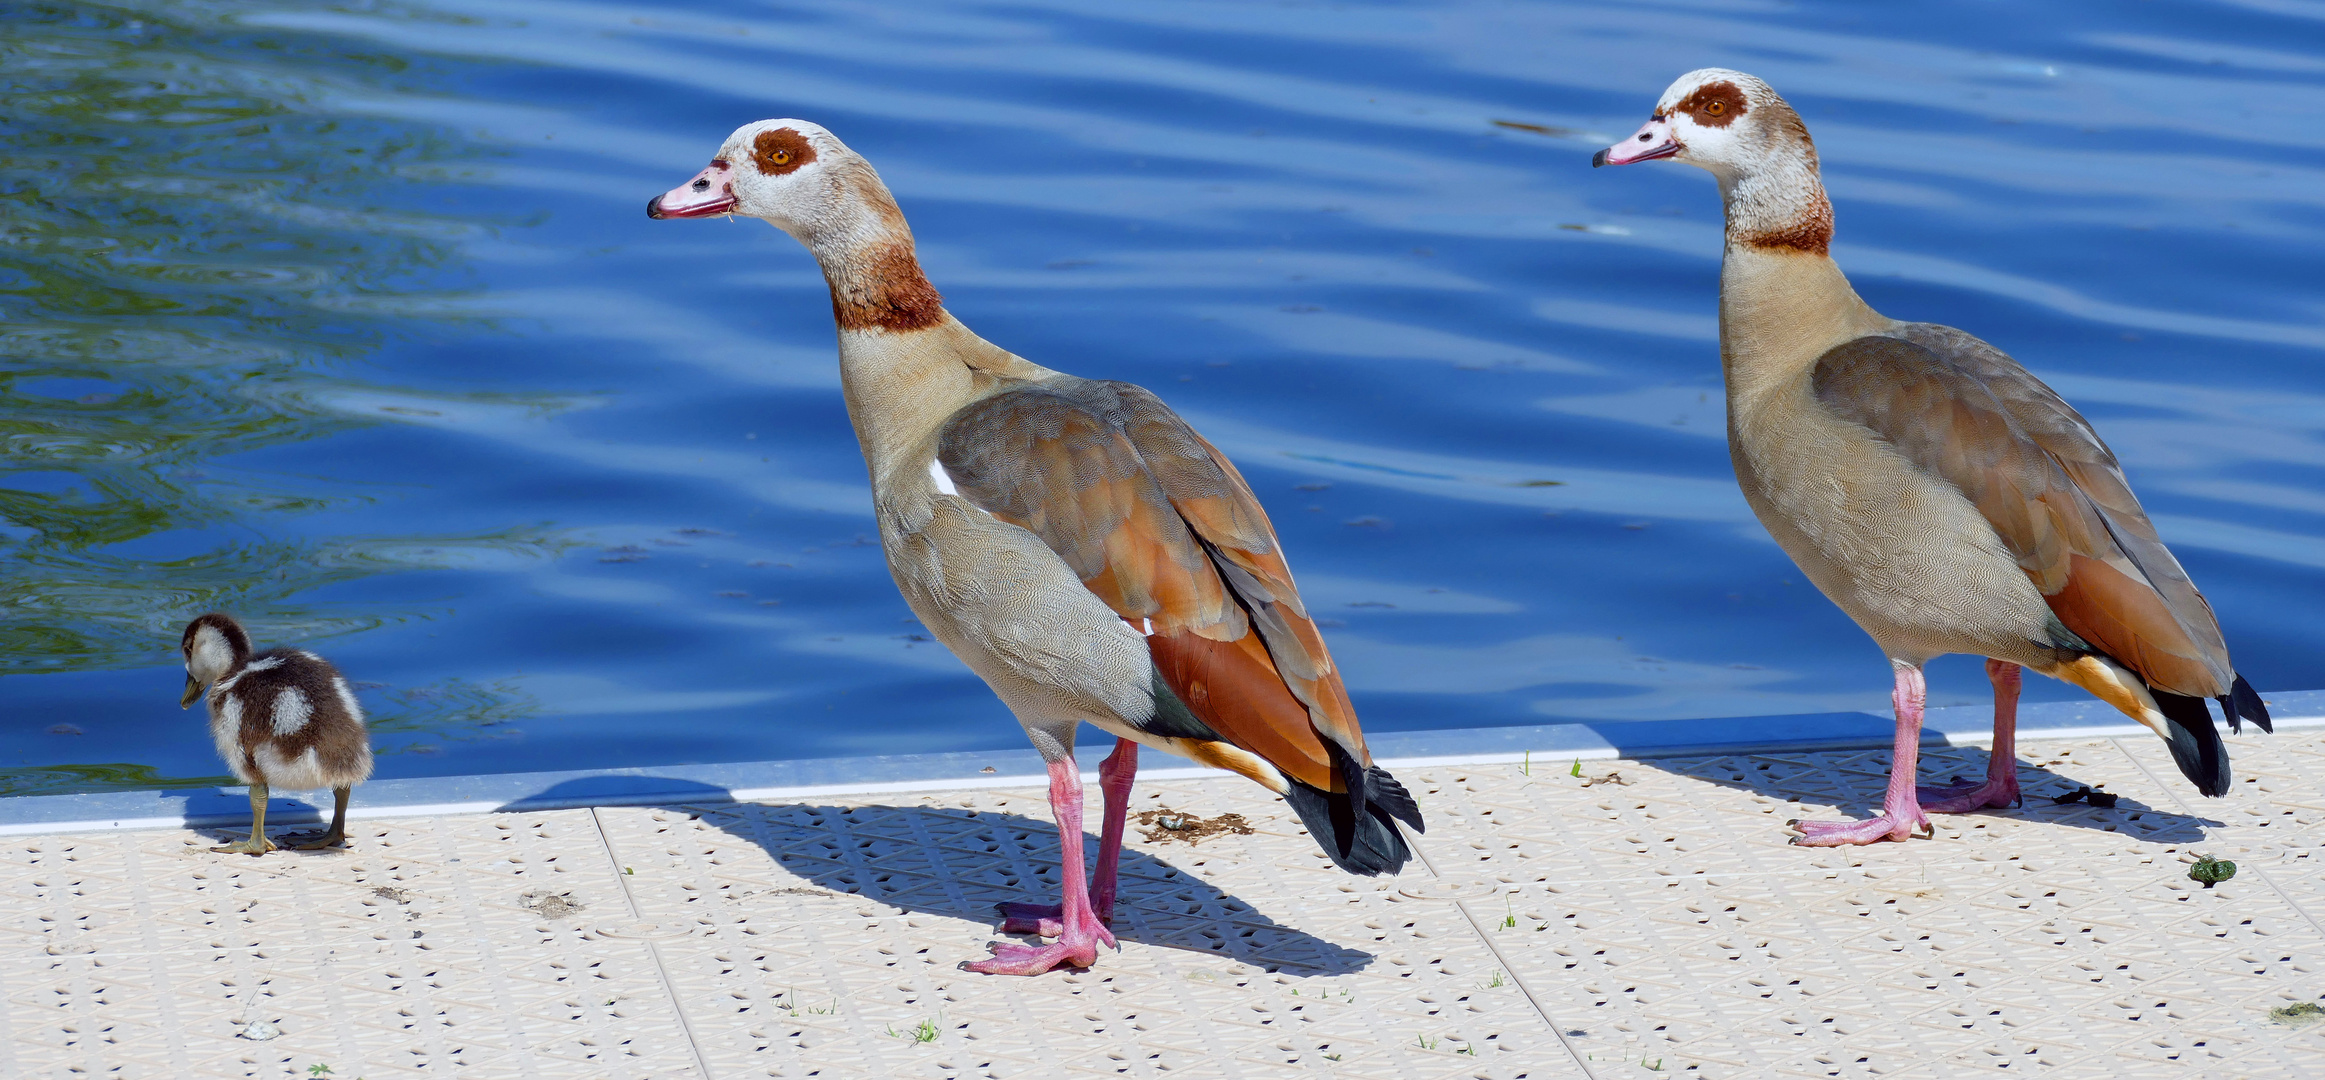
x: 1781, y: 207
x: 905, y: 363
x: 875, y: 278
x: 1783, y: 301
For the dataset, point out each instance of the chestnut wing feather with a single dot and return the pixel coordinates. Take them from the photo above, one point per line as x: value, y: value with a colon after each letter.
x: 1160, y: 527
x: 1961, y: 410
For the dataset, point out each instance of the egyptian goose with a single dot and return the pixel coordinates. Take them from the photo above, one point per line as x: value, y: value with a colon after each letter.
x: 1941, y: 495
x: 283, y: 718
x: 1073, y: 541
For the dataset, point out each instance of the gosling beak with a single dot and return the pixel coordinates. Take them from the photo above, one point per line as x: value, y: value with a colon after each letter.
x: 710, y: 193
x: 193, y: 690
x: 1653, y: 141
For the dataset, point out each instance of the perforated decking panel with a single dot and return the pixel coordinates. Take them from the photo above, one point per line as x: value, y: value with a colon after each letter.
x: 1654, y: 924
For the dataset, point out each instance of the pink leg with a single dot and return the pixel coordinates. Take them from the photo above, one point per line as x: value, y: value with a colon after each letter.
x: 2001, y: 785
x: 1900, y: 812
x: 1114, y: 777
x: 1081, y: 933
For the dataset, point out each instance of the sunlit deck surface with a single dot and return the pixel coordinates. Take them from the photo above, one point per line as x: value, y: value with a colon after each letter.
x: 1643, y: 919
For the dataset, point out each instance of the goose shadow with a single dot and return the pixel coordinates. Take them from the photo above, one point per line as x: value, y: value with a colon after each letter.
x: 961, y: 863
x: 1800, y: 776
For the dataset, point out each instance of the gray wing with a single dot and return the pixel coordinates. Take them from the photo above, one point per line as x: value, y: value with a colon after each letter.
x: 1961, y: 410
x: 1157, y: 525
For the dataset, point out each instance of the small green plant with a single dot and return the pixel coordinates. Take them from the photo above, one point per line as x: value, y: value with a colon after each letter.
x: 2211, y: 871
x: 1510, y: 919
x: 1576, y: 772
x: 925, y: 1033
x: 627, y: 870
x: 791, y: 1005
x: 1526, y: 767
x: 1497, y: 981
x: 1331, y: 1057
x: 318, y: 1069
x: 1470, y: 1050
x: 1425, y: 1042
x: 1656, y: 1067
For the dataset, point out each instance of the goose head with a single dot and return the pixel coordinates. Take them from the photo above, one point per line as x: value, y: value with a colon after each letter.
x: 1740, y: 130
x: 806, y: 182
x: 212, y: 646
x: 1725, y: 122
x: 790, y: 173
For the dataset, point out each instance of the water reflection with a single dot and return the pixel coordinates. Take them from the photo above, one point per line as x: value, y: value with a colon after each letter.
x: 186, y: 234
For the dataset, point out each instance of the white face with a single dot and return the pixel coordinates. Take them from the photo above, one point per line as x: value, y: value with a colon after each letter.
x: 1701, y: 120
x: 778, y: 170
x: 208, y: 656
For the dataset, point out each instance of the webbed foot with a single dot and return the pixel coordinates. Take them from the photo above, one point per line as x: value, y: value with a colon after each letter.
x: 1845, y: 833
x: 316, y: 841
x: 1963, y: 796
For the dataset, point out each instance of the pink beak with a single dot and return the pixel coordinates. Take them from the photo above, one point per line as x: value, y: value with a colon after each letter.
x: 710, y: 193
x: 1653, y: 141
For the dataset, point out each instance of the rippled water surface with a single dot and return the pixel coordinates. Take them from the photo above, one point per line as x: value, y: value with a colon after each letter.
x: 347, y: 318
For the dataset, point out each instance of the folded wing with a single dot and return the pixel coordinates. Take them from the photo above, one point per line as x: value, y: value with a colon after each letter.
x: 1159, y: 526
x: 1958, y: 408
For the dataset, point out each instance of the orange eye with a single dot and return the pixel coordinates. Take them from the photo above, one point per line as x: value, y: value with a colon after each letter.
x: 780, y: 157
x: 1716, y: 108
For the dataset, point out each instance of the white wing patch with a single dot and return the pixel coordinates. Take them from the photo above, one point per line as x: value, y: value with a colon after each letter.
x: 943, y: 479
x: 347, y: 698
x: 292, y: 710
x: 226, y: 731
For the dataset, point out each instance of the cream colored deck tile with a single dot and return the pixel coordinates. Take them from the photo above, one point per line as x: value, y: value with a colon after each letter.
x: 1656, y: 927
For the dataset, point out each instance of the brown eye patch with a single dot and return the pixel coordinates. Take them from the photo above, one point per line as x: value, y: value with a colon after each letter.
x: 1715, y: 104
x: 780, y: 151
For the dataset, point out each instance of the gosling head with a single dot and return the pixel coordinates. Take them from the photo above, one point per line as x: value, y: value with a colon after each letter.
x: 213, y: 645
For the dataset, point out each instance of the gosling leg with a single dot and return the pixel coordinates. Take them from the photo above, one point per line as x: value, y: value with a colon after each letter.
x: 258, y: 844
x: 337, y: 834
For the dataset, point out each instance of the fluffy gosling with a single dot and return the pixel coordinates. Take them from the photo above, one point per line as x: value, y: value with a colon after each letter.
x: 282, y: 718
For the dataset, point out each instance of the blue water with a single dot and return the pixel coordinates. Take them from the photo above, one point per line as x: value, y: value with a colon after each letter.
x: 348, y: 318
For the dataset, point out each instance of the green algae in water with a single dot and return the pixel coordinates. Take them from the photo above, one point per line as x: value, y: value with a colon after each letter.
x: 195, y: 245
x: 79, y: 779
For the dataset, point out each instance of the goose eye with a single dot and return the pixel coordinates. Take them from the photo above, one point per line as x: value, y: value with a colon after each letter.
x: 780, y: 157
x: 1716, y: 108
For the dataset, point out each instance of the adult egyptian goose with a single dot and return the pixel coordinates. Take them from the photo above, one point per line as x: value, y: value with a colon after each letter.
x: 1941, y: 495
x: 1073, y: 541
x: 283, y: 718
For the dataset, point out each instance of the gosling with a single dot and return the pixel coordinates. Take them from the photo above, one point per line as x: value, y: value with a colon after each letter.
x: 283, y: 718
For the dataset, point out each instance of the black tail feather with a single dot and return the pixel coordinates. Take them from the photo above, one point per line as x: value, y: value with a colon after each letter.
x: 2243, y: 703
x: 2195, y: 742
x: 1391, y: 796
x: 1344, y: 807
x: 1361, y: 839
